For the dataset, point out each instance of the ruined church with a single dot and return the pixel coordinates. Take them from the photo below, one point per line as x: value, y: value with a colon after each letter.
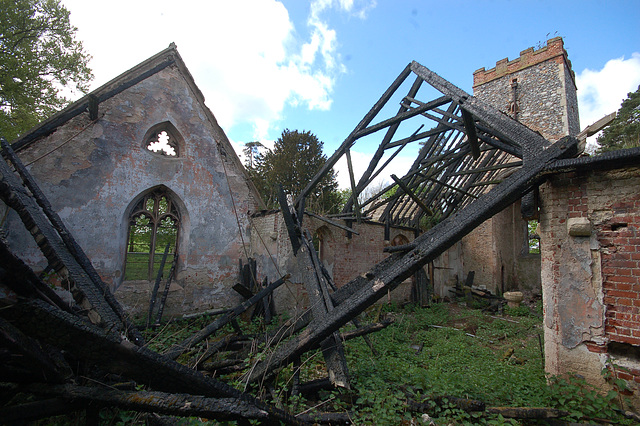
x: 499, y: 197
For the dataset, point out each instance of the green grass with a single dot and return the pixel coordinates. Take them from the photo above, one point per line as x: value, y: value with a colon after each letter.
x: 497, y: 360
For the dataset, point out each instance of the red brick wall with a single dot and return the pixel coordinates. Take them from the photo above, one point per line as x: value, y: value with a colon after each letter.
x: 619, y: 240
x: 591, y: 276
x: 355, y: 255
x: 620, y: 250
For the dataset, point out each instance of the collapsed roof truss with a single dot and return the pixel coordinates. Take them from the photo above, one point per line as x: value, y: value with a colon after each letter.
x: 463, y: 147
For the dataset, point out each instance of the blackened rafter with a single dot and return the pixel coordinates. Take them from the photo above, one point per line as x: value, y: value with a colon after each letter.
x: 467, y: 143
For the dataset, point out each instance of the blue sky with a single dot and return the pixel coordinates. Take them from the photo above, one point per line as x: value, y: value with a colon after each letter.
x: 266, y: 65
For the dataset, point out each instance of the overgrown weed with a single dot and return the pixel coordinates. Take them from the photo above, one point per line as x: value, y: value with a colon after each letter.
x: 444, y: 351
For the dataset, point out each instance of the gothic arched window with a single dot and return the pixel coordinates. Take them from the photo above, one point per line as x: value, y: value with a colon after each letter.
x: 153, y: 224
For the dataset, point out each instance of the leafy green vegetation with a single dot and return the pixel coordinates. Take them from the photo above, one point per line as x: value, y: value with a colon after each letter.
x: 624, y: 131
x: 295, y: 159
x: 39, y: 57
x: 430, y: 356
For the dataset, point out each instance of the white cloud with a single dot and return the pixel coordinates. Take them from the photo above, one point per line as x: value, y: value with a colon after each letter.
x: 600, y: 92
x: 245, y: 55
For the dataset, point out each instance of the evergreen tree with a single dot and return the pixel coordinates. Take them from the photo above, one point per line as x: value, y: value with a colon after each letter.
x: 624, y: 131
x: 294, y: 160
x: 38, y: 57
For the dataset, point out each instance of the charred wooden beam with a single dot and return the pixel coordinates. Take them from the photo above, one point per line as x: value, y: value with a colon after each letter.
x: 107, y: 349
x: 354, y: 191
x: 94, y: 103
x: 15, y: 196
x: 243, y: 291
x: 214, y: 348
x: 198, y: 337
x: 81, y: 106
x: 418, y: 136
x: 527, y: 412
x: 472, y: 134
x: 411, y: 195
x: 367, y: 176
x: 367, y: 290
x: 36, y: 410
x: 499, y: 123
x: 69, y: 243
x: 331, y: 222
x: 446, y: 185
x: 156, y: 285
x: 321, y: 305
x: 352, y: 137
x: 18, y: 277
x: 367, y: 329
x: 165, y: 293
x: 487, y: 183
x: 292, y: 229
x: 412, y: 112
x: 175, y: 404
x: 32, y: 355
x: 489, y: 168
x: 328, y: 418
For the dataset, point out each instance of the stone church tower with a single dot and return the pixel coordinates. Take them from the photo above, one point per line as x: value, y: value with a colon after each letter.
x: 538, y: 89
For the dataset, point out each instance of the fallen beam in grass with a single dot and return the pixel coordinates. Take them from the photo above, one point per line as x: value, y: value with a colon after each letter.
x: 178, y: 349
x: 174, y: 404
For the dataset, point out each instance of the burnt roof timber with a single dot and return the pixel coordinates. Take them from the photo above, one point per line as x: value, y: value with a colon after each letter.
x: 411, y: 195
x: 416, y: 171
x: 489, y: 168
x: 365, y: 290
x: 367, y: 177
x: 411, y: 112
x: 372, y: 166
x: 499, y: 122
x: 112, y: 88
x: 434, y: 131
x: 470, y: 130
x: 352, y: 137
x: 466, y: 121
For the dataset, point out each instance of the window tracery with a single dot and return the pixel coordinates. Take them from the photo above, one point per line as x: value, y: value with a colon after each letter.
x: 162, y: 143
x: 153, y: 224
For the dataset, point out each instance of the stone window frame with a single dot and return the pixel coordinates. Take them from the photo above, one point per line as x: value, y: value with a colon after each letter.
x: 175, y: 138
x: 149, y: 206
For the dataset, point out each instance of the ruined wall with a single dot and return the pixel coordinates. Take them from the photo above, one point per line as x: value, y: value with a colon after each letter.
x: 93, y: 173
x: 344, y: 258
x: 496, y: 252
x: 590, y: 238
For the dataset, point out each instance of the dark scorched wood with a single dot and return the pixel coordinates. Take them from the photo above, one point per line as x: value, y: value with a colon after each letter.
x: 113, y: 354
x: 175, y: 404
x: 427, y: 247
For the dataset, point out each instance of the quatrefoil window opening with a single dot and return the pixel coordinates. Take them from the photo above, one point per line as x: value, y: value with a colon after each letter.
x: 163, y: 144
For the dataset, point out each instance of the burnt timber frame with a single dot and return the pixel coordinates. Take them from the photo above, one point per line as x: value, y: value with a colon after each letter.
x: 468, y: 148
x: 471, y: 147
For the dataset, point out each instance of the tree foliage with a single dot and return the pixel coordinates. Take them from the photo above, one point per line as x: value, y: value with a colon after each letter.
x: 39, y: 57
x: 294, y: 160
x: 624, y: 131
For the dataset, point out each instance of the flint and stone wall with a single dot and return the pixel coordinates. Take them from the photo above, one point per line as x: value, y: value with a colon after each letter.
x: 546, y: 101
x: 590, y: 236
x: 546, y: 98
x: 94, y: 173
